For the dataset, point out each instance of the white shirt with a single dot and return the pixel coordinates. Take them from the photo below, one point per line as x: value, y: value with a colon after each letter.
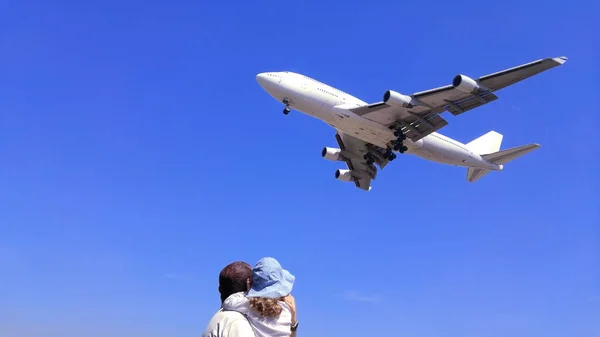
x: 226, y: 323
x: 263, y: 326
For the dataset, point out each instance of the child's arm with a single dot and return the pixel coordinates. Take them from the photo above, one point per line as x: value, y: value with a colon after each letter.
x: 289, y: 300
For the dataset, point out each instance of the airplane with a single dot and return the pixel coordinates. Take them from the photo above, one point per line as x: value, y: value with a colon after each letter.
x: 370, y: 133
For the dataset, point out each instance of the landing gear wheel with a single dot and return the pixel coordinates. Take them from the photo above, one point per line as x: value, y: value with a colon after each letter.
x: 390, y: 155
x: 400, y: 135
x: 287, y: 109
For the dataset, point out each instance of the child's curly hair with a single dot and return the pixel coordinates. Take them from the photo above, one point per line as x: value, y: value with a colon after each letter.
x: 266, y: 307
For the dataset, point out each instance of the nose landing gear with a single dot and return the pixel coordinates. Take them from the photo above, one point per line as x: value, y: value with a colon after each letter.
x: 287, y: 108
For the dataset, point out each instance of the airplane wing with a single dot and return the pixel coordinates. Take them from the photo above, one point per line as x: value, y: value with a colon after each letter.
x: 353, y: 150
x: 419, y: 115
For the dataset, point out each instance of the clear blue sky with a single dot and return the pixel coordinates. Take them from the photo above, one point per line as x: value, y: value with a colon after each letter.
x: 140, y: 156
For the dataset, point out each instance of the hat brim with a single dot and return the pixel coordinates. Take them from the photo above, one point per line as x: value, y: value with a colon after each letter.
x: 279, y: 289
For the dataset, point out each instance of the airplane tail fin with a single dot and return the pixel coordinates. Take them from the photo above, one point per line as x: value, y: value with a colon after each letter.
x: 488, y: 143
x: 497, y: 157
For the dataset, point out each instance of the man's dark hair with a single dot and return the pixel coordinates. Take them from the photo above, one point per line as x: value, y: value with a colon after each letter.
x: 233, y: 278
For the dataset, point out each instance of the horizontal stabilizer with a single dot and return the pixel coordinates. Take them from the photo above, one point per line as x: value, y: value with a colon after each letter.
x: 499, y: 158
x: 473, y: 174
x: 504, y: 156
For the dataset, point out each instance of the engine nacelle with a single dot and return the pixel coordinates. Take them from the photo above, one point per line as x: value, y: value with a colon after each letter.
x: 397, y: 99
x: 331, y: 153
x: 465, y: 84
x: 343, y: 175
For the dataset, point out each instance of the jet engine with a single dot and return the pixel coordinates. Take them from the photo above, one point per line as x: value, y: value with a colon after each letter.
x: 395, y: 98
x: 343, y: 175
x: 331, y: 153
x: 465, y: 84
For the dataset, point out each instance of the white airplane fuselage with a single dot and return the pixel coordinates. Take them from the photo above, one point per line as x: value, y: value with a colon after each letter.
x: 331, y: 105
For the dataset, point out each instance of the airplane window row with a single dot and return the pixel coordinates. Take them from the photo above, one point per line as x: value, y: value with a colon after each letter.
x: 447, y: 141
x: 325, y: 85
x: 327, y: 92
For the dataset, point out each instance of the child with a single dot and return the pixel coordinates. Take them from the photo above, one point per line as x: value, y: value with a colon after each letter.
x: 264, y: 304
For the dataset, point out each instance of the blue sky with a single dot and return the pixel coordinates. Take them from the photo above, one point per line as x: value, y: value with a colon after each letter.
x: 140, y: 156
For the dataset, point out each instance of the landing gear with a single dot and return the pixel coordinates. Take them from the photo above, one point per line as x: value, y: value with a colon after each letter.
x: 389, y: 155
x: 400, y: 147
x: 398, y: 144
x: 287, y: 108
x: 400, y: 135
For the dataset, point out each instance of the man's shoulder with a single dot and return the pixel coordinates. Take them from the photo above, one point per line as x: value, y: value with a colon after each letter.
x: 226, y: 323
x: 228, y: 315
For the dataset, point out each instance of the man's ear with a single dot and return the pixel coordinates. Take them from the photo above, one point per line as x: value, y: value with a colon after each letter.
x: 248, y: 286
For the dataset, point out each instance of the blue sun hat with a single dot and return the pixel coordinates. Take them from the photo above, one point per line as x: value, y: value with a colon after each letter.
x: 270, y: 280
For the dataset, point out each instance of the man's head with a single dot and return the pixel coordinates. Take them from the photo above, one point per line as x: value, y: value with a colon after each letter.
x: 235, y: 277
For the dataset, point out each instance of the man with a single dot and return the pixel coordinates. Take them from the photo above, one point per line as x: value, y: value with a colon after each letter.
x: 234, y: 278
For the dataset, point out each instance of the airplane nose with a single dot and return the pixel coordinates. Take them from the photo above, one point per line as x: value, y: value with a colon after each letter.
x: 262, y: 79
